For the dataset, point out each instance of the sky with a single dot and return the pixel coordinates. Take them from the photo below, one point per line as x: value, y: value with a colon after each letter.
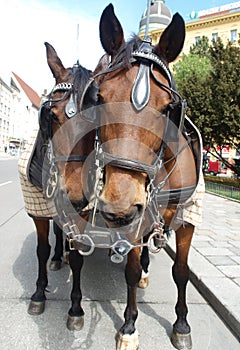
x: 26, y: 24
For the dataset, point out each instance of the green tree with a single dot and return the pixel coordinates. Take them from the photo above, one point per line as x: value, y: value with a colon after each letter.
x: 209, y: 79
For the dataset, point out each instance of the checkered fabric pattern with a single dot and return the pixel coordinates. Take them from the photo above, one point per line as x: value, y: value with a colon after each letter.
x: 35, y: 202
x: 191, y: 211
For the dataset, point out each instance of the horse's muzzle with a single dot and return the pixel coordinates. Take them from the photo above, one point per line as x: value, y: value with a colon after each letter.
x: 118, y: 220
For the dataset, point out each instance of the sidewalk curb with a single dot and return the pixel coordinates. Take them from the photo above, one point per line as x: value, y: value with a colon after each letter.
x: 211, y: 292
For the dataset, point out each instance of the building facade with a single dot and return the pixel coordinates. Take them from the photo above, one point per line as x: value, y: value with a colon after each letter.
x: 218, y: 22
x: 5, y: 113
x: 19, y: 106
x: 221, y: 21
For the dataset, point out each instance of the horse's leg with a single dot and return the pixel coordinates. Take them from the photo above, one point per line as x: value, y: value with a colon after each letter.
x: 128, y: 336
x: 181, y: 337
x: 56, y: 260
x: 144, y: 281
x: 75, y: 315
x: 37, y: 304
x: 66, y: 253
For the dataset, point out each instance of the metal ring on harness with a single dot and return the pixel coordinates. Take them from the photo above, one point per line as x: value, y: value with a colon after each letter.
x: 82, y: 240
x: 156, y: 233
x: 51, y: 185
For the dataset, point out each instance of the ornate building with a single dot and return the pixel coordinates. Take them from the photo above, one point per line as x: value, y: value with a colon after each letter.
x: 160, y: 17
x: 222, y: 21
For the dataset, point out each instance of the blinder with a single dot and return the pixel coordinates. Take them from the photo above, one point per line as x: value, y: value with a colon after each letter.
x: 44, y: 119
x: 89, y: 99
x: 71, y: 108
x: 176, y: 115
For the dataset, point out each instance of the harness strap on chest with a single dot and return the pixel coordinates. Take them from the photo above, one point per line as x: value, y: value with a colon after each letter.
x: 175, y: 195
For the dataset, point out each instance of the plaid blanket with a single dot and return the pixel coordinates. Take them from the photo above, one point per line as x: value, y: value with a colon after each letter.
x: 35, y: 202
x: 191, y: 210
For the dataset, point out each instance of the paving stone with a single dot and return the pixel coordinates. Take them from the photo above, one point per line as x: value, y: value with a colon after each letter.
x: 215, y: 251
x: 221, y: 260
x: 236, y: 251
x: 225, y: 290
x: 237, y: 280
x: 201, y: 266
x: 202, y: 236
x: 231, y: 271
x: 201, y: 244
x: 236, y: 258
x: 220, y: 244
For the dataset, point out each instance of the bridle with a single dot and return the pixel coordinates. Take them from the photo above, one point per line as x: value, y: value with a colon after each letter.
x: 176, y: 110
x: 46, y: 113
x: 175, y: 114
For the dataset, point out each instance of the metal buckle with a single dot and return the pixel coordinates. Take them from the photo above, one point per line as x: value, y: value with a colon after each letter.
x: 157, y: 240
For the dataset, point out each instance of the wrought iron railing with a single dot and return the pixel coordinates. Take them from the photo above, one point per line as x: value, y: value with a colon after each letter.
x: 223, y: 190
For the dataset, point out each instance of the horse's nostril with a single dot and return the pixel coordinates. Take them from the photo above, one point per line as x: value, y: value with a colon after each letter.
x: 140, y: 208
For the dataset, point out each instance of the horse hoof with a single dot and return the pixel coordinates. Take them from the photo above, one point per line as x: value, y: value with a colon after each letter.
x: 128, y: 341
x: 66, y: 258
x: 55, y: 265
x: 75, y: 323
x: 36, y: 307
x: 181, y: 341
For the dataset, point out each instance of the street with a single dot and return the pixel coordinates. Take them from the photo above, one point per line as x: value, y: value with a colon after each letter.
x: 104, y: 293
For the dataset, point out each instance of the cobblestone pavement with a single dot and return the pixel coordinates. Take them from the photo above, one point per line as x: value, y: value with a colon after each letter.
x: 214, y: 258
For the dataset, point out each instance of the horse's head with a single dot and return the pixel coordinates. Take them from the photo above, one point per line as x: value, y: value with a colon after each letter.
x: 136, y: 92
x: 69, y: 137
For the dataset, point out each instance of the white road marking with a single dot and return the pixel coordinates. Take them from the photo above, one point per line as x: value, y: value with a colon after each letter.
x: 5, y: 183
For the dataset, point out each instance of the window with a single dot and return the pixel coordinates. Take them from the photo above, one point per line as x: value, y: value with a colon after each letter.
x: 214, y: 37
x: 233, y: 37
x: 197, y: 39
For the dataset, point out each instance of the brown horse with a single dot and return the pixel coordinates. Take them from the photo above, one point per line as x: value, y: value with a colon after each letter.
x: 70, y: 140
x: 146, y: 157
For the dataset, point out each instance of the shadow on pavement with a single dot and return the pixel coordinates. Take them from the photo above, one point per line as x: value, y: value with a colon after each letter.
x: 104, y: 292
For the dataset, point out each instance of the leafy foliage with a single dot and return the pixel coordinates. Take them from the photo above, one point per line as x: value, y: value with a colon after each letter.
x: 209, y: 80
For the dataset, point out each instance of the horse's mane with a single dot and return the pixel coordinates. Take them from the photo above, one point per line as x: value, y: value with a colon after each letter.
x: 80, y: 80
x: 124, y: 54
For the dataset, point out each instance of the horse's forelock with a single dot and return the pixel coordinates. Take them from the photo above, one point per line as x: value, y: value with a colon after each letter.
x: 125, y: 53
x: 80, y: 80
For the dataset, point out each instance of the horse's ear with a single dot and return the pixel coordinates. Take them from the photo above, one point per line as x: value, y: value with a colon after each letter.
x: 172, y: 39
x: 111, y: 32
x: 102, y: 64
x: 54, y: 62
